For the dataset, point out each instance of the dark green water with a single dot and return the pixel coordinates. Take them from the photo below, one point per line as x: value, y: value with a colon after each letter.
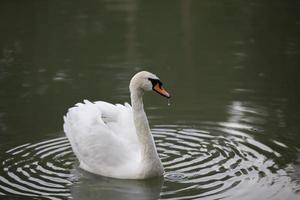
x: 232, y: 130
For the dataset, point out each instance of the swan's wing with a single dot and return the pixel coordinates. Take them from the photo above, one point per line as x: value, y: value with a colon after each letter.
x: 119, y: 119
x: 102, y: 136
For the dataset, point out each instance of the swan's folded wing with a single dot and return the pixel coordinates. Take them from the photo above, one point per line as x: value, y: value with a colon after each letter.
x: 119, y: 119
x: 92, y: 129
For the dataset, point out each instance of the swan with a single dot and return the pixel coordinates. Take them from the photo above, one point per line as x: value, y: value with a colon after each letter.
x: 115, y: 140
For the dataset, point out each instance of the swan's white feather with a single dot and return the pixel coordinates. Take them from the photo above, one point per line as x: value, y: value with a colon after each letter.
x: 115, y: 140
x: 104, y: 139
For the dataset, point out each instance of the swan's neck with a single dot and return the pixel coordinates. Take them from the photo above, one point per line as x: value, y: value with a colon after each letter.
x: 148, y: 149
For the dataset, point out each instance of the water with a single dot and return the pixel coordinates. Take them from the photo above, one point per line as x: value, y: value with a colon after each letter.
x: 220, y: 161
x: 231, y: 131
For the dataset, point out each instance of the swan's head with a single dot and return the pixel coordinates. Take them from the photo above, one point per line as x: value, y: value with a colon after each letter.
x: 146, y: 81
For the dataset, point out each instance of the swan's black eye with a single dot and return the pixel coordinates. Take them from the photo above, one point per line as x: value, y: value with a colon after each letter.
x: 155, y: 81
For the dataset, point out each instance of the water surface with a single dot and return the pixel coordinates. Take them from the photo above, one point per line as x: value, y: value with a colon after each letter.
x: 231, y: 131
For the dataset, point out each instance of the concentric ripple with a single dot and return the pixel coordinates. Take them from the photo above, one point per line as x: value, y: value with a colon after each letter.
x: 221, y: 161
x: 212, y: 162
x: 38, y: 170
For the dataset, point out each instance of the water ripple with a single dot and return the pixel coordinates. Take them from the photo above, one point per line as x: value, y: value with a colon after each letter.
x: 221, y: 161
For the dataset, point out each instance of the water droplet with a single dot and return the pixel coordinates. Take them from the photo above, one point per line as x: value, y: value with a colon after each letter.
x: 169, y: 103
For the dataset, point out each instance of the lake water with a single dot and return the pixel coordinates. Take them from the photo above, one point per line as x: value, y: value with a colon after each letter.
x: 232, y: 130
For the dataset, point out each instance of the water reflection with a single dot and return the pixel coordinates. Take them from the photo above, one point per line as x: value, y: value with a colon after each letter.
x: 96, y: 187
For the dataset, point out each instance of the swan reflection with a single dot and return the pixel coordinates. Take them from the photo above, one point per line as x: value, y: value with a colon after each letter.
x: 90, y: 186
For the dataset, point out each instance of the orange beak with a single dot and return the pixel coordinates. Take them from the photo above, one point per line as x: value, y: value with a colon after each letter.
x: 160, y: 90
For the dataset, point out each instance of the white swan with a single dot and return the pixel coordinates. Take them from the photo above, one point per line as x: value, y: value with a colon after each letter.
x: 115, y: 140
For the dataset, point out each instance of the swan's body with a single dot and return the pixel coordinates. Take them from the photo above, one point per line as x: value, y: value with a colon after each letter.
x: 115, y: 140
